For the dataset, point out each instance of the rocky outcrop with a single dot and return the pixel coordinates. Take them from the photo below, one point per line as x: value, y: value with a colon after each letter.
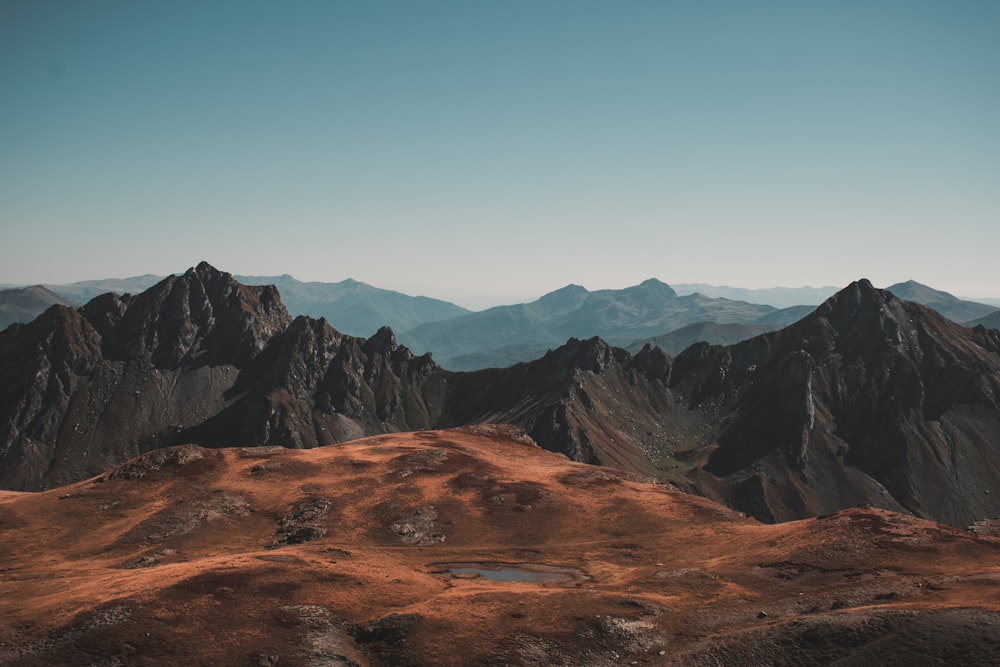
x: 197, y: 358
x: 870, y: 399
x: 588, y: 400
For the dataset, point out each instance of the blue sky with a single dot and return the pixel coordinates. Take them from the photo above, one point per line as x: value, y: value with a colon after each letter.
x: 490, y: 151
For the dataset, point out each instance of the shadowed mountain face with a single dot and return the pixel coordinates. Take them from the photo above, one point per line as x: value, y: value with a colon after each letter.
x: 868, y: 399
x: 467, y: 547
x: 351, y: 306
x: 86, y: 388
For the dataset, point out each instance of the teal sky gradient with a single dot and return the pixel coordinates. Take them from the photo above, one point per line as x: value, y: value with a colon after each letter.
x: 489, y: 151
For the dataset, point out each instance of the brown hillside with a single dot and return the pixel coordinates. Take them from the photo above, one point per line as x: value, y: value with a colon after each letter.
x: 364, y: 553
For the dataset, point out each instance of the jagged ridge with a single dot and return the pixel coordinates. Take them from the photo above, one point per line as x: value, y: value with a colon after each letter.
x: 869, y: 399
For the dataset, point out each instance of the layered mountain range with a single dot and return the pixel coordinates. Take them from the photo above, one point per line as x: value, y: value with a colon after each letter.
x: 355, y: 307
x: 955, y: 309
x: 23, y: 304
x: 868, y: 399
x: 671, y: 318
x: 504, y: 335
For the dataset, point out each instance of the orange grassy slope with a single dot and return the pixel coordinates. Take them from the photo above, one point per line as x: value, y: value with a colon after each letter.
x: 385, y: 551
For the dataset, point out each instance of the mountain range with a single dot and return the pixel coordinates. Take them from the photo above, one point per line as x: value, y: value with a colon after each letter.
x: 991, y: 321
x: 779, y: 297
x: 164, y: 526
x: 357, y: 308
x: 354, y: 307
x: 651, y: 312
x: 955, y: 309
x: 23, y: 304
x: 870, y: 398
x: 506, y: 334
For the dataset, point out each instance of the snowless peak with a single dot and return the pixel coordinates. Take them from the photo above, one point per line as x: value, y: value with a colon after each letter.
x: 204, y: 267
x: 564, y: 297
x: 384, y: 340
x: 569, y: 289
x: 658, y: 286
x: 858, y: 297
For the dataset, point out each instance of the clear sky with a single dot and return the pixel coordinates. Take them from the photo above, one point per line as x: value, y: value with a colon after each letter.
x: 487, y: 151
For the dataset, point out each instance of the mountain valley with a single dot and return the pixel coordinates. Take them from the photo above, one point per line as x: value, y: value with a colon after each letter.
x: 196, y: 476
x: 671, y: 318
x: 869, y: 399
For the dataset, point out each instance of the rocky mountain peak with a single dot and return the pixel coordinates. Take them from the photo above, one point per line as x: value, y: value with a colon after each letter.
x: 382, y: 343
x: 870, y: 399
x: 870, y: 390
x: 659, y: 287
x: 592, y: 354
x: 203, y: 314
x: 859, y: 295
x: 859, y: 314
x: 564, y: 298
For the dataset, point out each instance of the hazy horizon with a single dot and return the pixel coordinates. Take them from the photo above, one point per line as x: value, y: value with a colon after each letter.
x: 500, y: 150
x: 482, y: 301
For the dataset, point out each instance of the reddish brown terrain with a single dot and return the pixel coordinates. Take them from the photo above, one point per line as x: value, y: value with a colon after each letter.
x: 384, y: 551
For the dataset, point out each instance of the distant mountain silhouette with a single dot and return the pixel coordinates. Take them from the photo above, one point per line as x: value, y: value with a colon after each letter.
x: 503, y: 334
x: 23, y: 304
x: 779, y: 297
x: 356, y: 308
x: 991, y: 321
x: 948, y: 305
x: 869, y: 399
x: 85, y: 290
x: 675, y: 342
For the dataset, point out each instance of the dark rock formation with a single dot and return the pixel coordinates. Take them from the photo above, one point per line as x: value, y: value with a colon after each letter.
x: 86, y: 389
x: 870, y: 399
x: 593, y: 402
